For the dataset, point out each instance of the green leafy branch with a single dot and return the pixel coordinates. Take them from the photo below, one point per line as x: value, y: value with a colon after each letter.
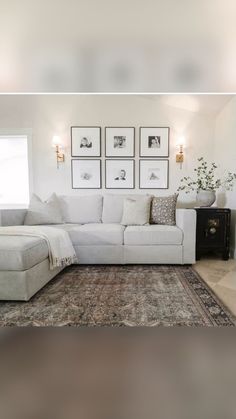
x: 206, y: 178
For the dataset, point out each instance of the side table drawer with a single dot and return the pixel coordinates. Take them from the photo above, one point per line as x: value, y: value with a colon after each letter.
x: 211, y: 229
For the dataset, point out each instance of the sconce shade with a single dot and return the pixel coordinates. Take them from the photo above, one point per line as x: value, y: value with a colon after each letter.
x: 56, y: 141
x: 180, y: 142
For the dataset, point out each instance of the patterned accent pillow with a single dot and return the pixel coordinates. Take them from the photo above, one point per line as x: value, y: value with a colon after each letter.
x: 163, y: 210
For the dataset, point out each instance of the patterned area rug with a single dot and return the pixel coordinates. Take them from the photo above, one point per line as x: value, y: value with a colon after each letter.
x: 120, y: 296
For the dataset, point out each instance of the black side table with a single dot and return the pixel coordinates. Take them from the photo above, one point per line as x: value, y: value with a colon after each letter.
x: 213, y: 231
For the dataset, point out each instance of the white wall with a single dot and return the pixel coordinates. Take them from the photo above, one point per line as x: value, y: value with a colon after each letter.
x: 50, y: 114
x: 225, y: 155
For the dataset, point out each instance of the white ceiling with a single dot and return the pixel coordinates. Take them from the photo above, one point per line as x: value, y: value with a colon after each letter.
x: 206, y: 104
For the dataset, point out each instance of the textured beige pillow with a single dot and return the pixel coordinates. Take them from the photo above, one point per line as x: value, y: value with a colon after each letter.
x: 136, y: 211
x: 40, y: 212
x: 163, y: 210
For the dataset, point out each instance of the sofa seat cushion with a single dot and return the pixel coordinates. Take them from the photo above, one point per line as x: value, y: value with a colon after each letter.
x: 153, y: 235
x: 19, y: 253
x: 66, y: 227
x: 93, y: 234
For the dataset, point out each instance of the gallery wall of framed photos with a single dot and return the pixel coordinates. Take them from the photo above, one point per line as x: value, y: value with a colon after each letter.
x: 120, y: 157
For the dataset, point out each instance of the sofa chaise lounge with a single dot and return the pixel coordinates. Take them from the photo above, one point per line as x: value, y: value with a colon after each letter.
x: 93, y: 224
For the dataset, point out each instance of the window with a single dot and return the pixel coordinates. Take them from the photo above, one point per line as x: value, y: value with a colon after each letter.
x: 14, y: 171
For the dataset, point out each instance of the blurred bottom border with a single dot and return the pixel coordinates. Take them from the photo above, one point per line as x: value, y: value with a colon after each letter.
x: 117, y: 373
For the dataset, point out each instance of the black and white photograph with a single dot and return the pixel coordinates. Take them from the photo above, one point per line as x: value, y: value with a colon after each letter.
x: 119, y: 174
x: 86, y: 174
x: 85, y: 141
x: 153, y: 174
x: 154, y: 142
x: 119, y: 141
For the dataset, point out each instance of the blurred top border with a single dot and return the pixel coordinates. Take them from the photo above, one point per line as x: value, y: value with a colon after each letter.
x: 118, y: 47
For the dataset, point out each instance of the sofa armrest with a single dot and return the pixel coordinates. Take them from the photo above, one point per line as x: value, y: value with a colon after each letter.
x: 12, y: 217
x: 186, y: 220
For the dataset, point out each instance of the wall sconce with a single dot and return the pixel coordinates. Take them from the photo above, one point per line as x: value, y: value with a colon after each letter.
x: 180, y: 154
x: 56, y: 143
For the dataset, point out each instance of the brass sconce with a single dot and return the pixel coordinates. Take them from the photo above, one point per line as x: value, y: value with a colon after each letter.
x: 180, y: 154
x: 60, y: 156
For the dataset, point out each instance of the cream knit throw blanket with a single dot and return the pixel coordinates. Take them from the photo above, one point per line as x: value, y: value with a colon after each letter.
x: 60, y: 249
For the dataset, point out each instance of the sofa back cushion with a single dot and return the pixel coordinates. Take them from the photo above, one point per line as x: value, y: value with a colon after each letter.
x: 113, y: 207
x: 12, y: 217
x: 81, y: 209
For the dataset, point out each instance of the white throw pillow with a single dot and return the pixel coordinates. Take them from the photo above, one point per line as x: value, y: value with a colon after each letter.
x: 40, y: 212
x: 136, y: 211
x: 113, y: 207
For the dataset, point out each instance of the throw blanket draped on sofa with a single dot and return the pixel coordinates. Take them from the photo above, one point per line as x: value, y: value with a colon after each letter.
x: 60, y: 248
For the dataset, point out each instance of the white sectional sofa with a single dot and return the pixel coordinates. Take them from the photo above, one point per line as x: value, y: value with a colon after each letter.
x: 93, y: 223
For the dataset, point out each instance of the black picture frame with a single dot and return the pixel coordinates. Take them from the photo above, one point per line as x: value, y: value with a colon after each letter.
x: 88, y: 160
x: 83, y: 128
x: 115, y: 160
x: 155, y: 160
x: 167, y: 155
x: 121, y: 155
